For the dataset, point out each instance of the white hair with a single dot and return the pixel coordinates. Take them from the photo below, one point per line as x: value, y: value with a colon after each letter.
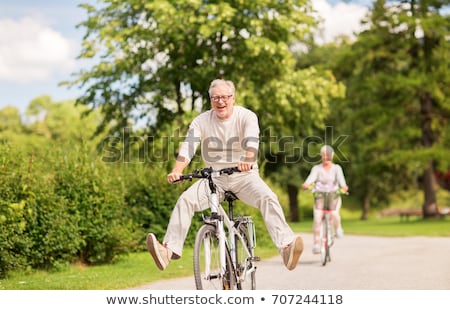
x: 328, y: 150
x: 218, y: 82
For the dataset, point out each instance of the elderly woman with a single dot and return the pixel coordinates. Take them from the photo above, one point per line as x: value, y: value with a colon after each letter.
x: 326, y: 177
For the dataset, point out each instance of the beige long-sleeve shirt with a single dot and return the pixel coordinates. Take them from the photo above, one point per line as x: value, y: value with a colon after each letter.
x: 223, y: 142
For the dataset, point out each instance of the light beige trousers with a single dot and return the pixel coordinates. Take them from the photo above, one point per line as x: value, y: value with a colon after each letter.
x: 248, y: 187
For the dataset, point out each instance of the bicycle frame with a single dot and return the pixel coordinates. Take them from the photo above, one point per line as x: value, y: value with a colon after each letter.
x: 327, y: 236
x: 327, y: 225
x: 233, y: 232
x: 224, y: 223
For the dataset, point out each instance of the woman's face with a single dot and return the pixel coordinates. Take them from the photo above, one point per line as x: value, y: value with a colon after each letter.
x: 326, y: 157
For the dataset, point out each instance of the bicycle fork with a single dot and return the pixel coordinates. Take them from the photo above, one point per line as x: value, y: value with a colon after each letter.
x: 220, y: 236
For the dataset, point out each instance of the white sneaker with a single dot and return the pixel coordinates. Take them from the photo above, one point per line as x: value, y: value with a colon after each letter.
x: 316, y: 249
x: 339, y: 233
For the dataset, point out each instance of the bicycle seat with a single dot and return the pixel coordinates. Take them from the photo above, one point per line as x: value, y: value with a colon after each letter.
x: 230, y: 196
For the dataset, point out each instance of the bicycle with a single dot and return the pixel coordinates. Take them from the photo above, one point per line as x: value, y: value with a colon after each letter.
x: 224, y: 245
x: 327, y: 229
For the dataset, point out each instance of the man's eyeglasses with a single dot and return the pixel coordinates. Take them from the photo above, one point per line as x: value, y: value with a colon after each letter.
x: 218, y: 98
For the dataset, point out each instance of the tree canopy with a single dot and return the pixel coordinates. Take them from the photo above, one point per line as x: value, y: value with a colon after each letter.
x: 153, y: 68
x: 397, y: 99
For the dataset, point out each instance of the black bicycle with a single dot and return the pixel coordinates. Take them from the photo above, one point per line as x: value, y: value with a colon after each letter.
x: 224, y: 246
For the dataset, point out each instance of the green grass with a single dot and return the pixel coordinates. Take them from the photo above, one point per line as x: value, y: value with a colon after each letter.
x: 138, y: 268
x: 389, y: 227
x: 130, y: 271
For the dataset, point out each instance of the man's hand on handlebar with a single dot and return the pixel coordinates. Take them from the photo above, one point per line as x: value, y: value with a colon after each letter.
x: 174, y: 176
x: 245, y: 166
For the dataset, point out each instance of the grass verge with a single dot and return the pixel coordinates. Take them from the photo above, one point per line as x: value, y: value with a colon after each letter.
x: 138, y: 268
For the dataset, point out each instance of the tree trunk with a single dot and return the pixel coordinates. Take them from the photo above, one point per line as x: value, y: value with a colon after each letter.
x: 429, y: 208
x: 179, y: 98
x: 293, y: 203
x: 366, y: 207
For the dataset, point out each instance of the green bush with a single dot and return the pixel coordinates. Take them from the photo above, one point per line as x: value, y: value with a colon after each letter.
x: 15, y: 244
x: 58, y: 207
x: 61, y: 204
x: 150, y: 199
x: 94, y: 198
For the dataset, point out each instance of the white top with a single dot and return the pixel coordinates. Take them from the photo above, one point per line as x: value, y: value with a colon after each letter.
x: 223, y: 142
x: 326, y: 180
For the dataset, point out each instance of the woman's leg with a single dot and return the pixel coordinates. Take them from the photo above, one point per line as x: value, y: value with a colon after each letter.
x: 337, y: 218
x: 318, y: 207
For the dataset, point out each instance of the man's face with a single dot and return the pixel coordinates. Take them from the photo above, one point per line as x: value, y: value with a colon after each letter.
x: 222, y: 101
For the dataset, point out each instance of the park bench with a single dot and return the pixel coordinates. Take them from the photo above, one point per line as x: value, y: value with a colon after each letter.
x: 406, y: 213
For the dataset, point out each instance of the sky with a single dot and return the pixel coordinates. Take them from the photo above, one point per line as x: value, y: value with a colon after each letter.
x: 40, y: 42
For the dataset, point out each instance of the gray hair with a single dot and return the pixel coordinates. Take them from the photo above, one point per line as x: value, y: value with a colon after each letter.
x: 218, y: 82
x: 328, y: 150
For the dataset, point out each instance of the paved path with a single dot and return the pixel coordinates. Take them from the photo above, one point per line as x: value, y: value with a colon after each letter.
x: 358, y: 263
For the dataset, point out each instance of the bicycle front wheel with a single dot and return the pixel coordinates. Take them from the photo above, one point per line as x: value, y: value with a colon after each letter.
x: 208, y: 272
x: 324, y: 245
x: 245, y: 266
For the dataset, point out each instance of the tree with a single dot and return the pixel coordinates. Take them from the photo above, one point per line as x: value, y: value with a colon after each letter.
x: 300, y: 105
x: 10, y: 119
x: 153, y: 69
x: 10, y: 124
x: 398, y: 107
x: 50, y: 119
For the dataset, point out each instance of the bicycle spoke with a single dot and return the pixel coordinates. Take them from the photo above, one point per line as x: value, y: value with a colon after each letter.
x: 245, y: 265
x: 208, y: 272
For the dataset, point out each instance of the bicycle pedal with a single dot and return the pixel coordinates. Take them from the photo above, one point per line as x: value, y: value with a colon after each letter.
x: 256, y: 259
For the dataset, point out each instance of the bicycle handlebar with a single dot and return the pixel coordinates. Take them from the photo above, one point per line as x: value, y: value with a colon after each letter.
x: 206, y: 173
x: 336, y: 192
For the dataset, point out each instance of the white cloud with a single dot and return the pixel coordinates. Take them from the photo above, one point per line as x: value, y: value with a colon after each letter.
x: 340, y: 19
x: 32, y: 51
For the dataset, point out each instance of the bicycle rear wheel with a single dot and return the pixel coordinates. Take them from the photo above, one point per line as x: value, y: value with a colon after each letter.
x: 245, y: 267
x: 207, y: 269
x: 324, y: 245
